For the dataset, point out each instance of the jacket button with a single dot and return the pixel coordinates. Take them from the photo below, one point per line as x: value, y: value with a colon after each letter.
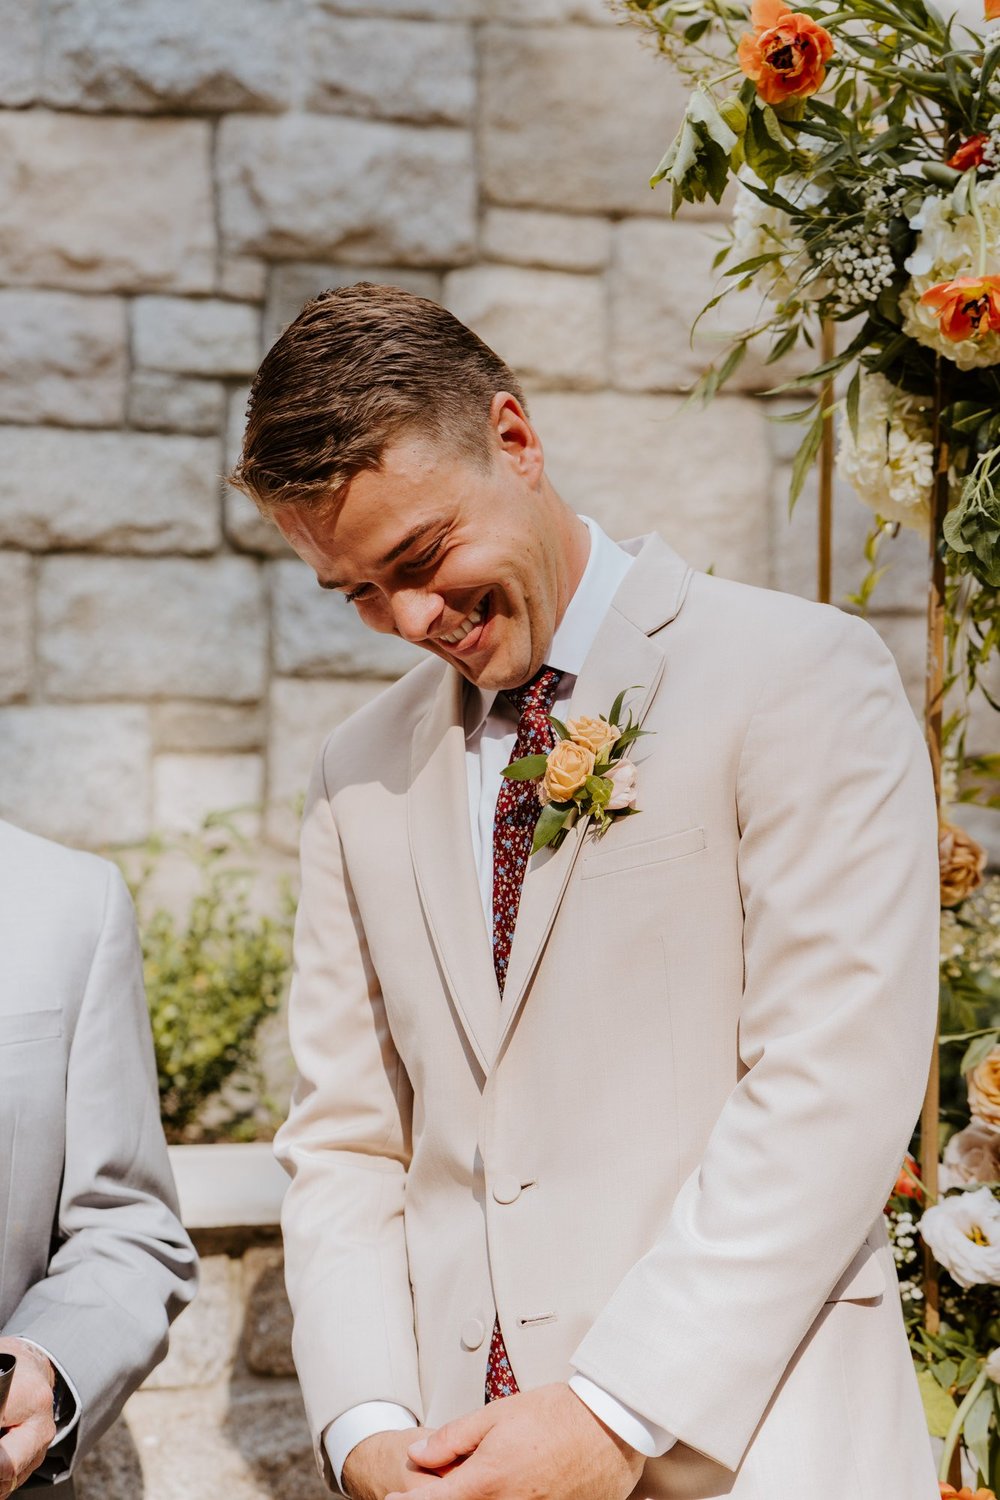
x: 473, y: 1333
x: 506, y: 1189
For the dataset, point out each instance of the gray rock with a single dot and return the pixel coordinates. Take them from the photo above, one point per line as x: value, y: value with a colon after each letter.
x: 267, y: 1326
x: 292, y: 286
x: 207, y: 726
x: 550, y: 326
x: 196, y: 337
x: 535, y: 237
x: 187, y: 789
x: 203, y: 1339
x: 16, y: 625
x: 391, y: 70
x: 576, y: 117
x: 176, y: 403
x: 113, y: 491
x: 232, y: 54
x: 300, y: 187
x: 418, y: 10
x: 77, y: 774
x: 105, y: 204
x: 158, y: 628
x: 317, y: 634
x: 243, y: 277
x: 62, y: 358
x: 21, y: 53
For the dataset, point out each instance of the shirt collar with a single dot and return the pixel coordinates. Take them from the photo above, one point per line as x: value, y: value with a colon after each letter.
x: 607, y: 565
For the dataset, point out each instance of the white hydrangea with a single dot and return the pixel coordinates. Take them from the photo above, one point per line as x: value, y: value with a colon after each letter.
x: 963, y: 1233
x: 760, y: 229
x: 948, y: 247
x: 891, y: 465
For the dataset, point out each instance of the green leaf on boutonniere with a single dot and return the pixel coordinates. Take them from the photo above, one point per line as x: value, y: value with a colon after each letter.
x: 599, y: 790
x: 629, y: 736
x: 551, y: 824
x: 529, y: 768
x: 614, y: 717
x: 559, y: 727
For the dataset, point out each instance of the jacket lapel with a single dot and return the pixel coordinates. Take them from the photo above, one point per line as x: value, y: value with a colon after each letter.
x: 623, y: 655
x: 445, y: 867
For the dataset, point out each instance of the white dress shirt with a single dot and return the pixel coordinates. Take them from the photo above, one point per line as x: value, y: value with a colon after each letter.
x: 490, y: 733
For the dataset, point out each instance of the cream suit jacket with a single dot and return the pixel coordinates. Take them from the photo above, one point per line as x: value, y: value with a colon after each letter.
x: 664, y: 1157
x: 93, y: 1259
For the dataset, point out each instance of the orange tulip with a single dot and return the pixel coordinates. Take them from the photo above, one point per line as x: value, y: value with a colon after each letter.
x: 949, y: 1492
x: 787, y: 53
x: 967, y: 307
x: 905, y: 1185
x: 992, y: 11
x: 970, y: 152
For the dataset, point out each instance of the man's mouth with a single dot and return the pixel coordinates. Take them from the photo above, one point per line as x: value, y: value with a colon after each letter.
x: 457, y: 637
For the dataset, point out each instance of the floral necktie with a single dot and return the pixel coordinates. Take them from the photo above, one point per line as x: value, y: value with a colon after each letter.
x: 513, y: 828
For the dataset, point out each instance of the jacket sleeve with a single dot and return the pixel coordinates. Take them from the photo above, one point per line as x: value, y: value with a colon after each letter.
x: 346, y: 1145
x: 122, y: 1266
x: 839, y: 881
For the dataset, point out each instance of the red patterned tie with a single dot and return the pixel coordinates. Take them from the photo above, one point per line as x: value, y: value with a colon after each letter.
x: 513, y: 827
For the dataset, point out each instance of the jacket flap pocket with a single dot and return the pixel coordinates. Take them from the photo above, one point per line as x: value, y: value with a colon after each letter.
x: 30, y: 1026
x: 642, y: 852
x: 863, y: 1279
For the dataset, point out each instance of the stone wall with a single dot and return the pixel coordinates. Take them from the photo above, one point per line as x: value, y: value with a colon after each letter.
x: 175, y: 180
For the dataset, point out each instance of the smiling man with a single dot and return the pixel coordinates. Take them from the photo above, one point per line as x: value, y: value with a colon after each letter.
x: 588, y: 1146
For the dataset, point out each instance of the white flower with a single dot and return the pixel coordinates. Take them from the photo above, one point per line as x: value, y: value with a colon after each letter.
x: 891, y: 465
x: 948, y: 247
x: 760, y: 229
x: 963, y: 1233
x: 993, y: 1366
x: 971, y: 1155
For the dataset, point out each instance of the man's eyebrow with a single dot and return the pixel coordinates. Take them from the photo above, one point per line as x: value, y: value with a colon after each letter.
x: 394, y: 553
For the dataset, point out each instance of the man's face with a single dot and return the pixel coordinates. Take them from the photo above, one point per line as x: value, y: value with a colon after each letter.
x: 474, y: 563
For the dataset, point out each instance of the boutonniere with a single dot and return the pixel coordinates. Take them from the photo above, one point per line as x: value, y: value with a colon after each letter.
x: 584, y: 774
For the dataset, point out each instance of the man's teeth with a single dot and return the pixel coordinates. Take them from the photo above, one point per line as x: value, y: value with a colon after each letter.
x: 467, y: 624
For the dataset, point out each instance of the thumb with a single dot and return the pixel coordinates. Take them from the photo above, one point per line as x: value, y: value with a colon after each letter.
x: 452, y: 1441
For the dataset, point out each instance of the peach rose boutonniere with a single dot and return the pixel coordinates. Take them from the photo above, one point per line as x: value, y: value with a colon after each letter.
x: 584, y: 774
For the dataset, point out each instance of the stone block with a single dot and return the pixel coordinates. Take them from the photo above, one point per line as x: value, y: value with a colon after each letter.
x: 545, y: 12
x: 292, y: 286
x: 243, y: 277
x: 267, y: 1325
x: 316, y: 633
x: 207, y: 726
x: 245, y: 527
x: 163, y: 628
x: 105, y: 204
x: 550, y: 326
x: 189, y: 788
x: 189, y: 337
x: 391, y: 69
x: 417, y: 10
x: 303, y: 186
x: 576, y: 116
x: 203, y: 1340
x: 146, y: 56
x: 62, y: 358
x: 21, y: 53
x: 662, y: 277
x: 176, y: 403
x: 302, y: 715
x: 16, y: 625
x: 639, y: 463
x: 534, y: 237
x: 76, y: 774
x: 115, y: 491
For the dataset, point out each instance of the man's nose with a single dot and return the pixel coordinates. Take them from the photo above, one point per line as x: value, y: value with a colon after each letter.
x: 414, y: 611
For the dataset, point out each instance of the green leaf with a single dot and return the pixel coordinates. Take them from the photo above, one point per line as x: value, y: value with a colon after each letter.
x: 614, y: 717
x: 978, y: 1050
x: 939, y: 1408
x: 853, y: 399
x: 528, y: 768
x: 550, y: 825
x: 559, y: 727
x: 766, y: 148
x: 976, y: 1429
x: 599, y: 789
x: 808, y: 449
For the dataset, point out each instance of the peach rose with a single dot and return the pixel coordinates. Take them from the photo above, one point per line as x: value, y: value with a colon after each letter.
x: 593, y: 734
x: 984, y: 1090
x: 786, y: 54
x: 962, y: 863
x: 966, y: 307
x: 971, y: 1155
x: 622, y: 775
x: 568, y: 767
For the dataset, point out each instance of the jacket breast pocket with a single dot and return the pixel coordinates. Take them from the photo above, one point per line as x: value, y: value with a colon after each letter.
x: 863, y: 1279
x: 30, y: 1026
x: 640, y: 853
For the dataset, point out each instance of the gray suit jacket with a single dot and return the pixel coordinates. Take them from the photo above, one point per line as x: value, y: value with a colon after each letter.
x: 94, y: 1262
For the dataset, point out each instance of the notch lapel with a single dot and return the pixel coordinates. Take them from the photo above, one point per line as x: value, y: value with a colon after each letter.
x: 445, y: 867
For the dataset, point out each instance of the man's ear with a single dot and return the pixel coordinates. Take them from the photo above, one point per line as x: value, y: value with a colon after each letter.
x: 516, y: 440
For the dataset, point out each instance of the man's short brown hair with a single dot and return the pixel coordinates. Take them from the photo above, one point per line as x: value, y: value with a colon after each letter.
x: 359, y: 367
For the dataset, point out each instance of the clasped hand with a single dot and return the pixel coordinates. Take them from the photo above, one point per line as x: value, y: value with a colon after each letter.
x: 28, y: 1424
x: 542, y: 1443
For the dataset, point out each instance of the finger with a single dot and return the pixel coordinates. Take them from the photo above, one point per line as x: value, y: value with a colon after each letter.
x: 26, y: 1446
x: 460, y: 1484
x: 8, y: 1476
x: 454, y: 1440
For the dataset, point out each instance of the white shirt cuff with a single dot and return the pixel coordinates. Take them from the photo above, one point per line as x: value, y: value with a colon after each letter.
x: 642, y: 1435
x: 67, y: 1420
x: 358, y: 1423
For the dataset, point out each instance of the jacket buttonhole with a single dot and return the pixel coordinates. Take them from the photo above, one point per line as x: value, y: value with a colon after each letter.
x: 541, y: 1318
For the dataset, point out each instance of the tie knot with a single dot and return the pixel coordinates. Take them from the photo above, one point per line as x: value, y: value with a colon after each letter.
x: 535, y: 698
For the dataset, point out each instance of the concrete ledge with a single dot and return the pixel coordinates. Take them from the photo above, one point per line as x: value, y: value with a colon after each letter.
x: 228, y: 1187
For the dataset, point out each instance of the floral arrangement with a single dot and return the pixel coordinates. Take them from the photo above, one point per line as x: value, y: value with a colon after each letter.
x: 585, y: 774
x: 861, y: 146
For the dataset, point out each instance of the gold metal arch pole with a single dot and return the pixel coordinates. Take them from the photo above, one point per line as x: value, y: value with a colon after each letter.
x: 824, y: 561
